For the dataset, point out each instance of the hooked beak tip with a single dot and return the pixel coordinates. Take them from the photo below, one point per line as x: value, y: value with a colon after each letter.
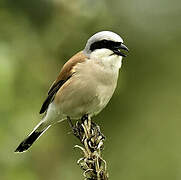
x: 122, y: 46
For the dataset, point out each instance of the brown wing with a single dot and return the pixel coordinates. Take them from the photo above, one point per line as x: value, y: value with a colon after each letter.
x: 65, y: 74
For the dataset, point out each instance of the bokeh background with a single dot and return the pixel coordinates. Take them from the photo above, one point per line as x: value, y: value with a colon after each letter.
x: 142, y: 122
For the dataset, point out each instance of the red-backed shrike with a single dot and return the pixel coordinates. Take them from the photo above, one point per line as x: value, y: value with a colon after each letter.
x: 85, y: 84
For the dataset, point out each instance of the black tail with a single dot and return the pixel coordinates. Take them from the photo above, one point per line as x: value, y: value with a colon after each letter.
x: 26, y: 144
x: 37, y: 132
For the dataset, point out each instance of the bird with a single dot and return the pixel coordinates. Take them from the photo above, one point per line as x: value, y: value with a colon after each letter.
x: 84, y: 85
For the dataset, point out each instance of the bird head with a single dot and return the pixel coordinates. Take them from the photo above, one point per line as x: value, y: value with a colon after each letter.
x: 106, y: 43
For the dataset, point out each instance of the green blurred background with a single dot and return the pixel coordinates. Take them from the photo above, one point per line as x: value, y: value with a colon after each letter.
x: 142, y: 122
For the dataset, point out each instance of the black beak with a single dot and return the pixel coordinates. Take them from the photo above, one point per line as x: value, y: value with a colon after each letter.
x: 118, y: 52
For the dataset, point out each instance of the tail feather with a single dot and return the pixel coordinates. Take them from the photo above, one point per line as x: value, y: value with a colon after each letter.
x: 27, y: 143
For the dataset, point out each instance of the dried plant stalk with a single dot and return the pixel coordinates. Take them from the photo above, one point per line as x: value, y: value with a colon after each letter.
x: 89, y: 134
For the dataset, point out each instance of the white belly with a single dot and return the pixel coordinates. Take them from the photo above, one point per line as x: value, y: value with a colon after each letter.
x: 85, y: 99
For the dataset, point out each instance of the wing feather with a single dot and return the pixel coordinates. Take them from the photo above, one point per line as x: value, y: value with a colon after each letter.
x: 65, y: 74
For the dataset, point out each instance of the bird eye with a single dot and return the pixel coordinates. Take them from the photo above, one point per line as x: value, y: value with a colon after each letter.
x: 104, y: 41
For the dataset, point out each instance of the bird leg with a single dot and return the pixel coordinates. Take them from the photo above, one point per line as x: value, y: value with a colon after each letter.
x: 70, y: 122
x: 76, y: 129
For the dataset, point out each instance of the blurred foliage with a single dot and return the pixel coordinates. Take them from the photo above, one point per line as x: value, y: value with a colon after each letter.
x: 143, y: 120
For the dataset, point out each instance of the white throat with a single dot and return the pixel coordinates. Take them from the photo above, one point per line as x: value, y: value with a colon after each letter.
x: 106, y: 58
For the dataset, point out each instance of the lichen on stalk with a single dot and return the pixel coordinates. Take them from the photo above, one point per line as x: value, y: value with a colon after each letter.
x: 92, y: 140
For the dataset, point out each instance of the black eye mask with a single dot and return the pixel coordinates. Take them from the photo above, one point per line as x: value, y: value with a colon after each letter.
x: 113, y: 46
x: 105, y: 44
